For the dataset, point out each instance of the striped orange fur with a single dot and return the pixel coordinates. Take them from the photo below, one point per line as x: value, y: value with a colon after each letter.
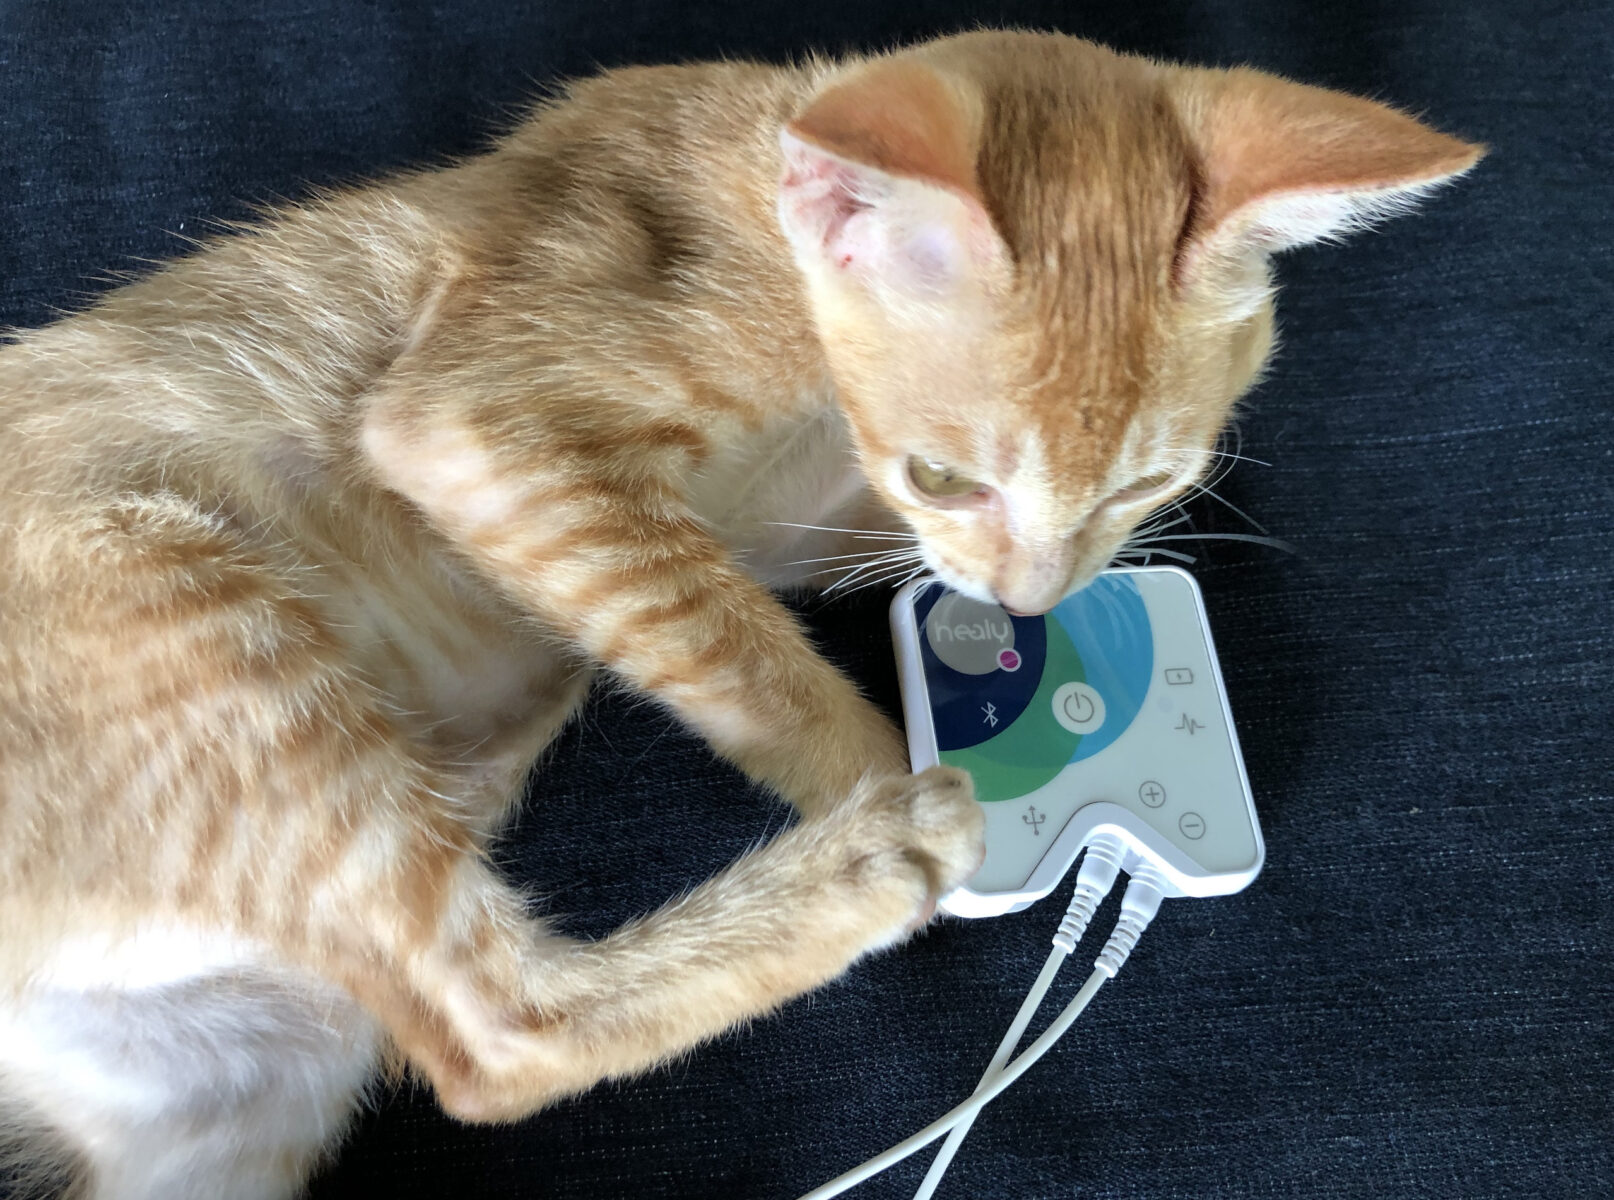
x: 313, y: 540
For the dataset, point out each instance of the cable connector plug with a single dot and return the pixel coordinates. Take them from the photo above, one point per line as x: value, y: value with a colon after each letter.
x: 1144, y: 891
x: 1100, y: 866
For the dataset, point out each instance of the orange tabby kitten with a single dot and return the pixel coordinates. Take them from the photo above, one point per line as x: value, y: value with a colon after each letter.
x: 312, y: 541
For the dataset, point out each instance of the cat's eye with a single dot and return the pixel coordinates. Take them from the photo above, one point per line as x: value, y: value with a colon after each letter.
x: 939, y: 481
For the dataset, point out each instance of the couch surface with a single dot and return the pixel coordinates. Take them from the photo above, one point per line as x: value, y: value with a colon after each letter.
x: 1416, y: 998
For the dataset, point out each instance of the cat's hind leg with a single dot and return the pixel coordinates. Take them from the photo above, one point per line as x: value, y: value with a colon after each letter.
x: 224, y: 1085
x: 186, y: 769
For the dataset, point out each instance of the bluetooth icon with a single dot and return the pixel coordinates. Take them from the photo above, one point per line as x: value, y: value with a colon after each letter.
x: 991, y: 711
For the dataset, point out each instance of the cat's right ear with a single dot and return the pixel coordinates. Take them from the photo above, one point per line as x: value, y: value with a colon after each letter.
x: 879, y: 187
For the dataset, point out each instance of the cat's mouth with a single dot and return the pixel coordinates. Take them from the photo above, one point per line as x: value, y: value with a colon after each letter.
x: 1046, y: 594
x: 1041, y: 607
x: 990, y: 594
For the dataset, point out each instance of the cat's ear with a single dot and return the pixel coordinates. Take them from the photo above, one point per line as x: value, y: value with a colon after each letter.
x: 879, y: 182
x: 1282, y: 164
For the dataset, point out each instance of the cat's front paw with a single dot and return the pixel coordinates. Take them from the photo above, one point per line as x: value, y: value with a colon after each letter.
x: 922, y: 832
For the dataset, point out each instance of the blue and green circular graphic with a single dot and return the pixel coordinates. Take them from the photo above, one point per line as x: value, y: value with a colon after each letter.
x: 994, y: 680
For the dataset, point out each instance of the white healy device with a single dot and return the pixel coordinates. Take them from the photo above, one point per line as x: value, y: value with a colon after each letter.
x: 1100, y: 726
x: 1105, y: 715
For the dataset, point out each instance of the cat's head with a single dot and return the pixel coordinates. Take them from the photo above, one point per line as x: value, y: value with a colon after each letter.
x: 1039, y: 272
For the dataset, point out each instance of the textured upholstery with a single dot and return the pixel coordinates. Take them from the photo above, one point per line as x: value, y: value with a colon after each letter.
x: 1416, y: 998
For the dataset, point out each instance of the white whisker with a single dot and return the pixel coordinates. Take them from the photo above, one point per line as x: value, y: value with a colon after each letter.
x: 868, y: 533
x: 1149, y: 551
x: 802, y: 562
x: 901, y: 575
x: 892, y: 564
x: 1205, y: 488
x: 1157, y: 526
x: 1275, y: 543
x: 893, y: 559
x: 1260, y: 462
x: 911, y: 576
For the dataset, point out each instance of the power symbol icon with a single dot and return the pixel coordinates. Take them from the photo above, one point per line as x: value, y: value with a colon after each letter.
x: 1078, y: 707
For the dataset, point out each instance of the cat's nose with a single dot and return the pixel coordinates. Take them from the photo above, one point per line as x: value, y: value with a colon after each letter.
x: 1033, y: 577
x: 1015, y: 610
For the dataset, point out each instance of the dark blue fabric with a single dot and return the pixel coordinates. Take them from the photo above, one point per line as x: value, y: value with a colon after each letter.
x: 1415, y: 998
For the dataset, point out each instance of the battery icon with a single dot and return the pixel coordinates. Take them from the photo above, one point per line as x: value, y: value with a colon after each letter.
x: 1177, y: 676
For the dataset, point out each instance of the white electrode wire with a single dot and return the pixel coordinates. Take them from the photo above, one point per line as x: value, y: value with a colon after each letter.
x: 1094, y: 879
x: 1011, y: 1039
x: 1139, y: 904
x: 975, y: 1103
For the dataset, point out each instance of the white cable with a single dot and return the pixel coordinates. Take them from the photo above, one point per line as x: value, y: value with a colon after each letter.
x: 1028, y: 1008
x: 1144, y: 891
x: 974, y: 1104
x: 1100, y: 865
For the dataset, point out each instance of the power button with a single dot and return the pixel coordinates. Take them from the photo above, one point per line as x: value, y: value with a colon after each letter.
x: 1078, y: 707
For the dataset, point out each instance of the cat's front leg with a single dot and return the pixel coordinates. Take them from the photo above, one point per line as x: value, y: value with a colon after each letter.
x: 592, y: 534
x: 726, y: 655
x: 684, y: 623
x: 504, y: 1018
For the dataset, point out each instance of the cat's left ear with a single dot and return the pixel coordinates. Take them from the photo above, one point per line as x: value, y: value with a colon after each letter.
x: 1282, y: 164
x: 879, y: 184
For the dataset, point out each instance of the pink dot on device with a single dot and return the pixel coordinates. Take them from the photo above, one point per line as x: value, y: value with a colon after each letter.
x: 1009, y: 660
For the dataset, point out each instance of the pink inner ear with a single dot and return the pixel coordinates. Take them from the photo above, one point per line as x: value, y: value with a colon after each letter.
x: 907, y: 233
x: 818, y: 194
